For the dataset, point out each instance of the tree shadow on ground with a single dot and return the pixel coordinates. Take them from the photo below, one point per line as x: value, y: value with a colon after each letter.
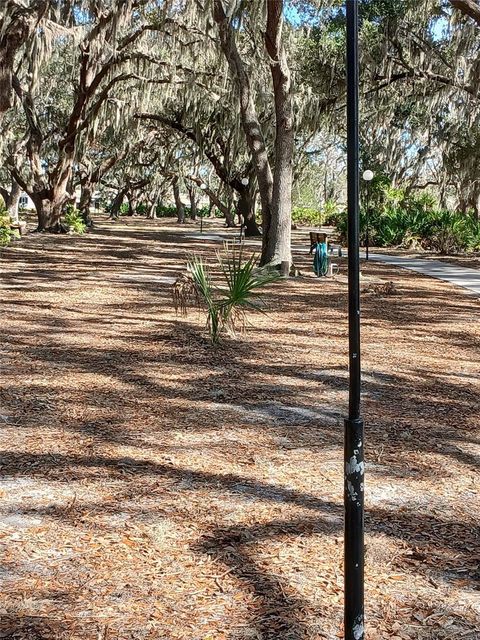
x: 237, y: 385
x: 406, y: 524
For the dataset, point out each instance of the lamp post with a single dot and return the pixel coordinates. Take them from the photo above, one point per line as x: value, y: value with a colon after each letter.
x: 203, y: 187
x: 245, y: 182
x: 368, y: 177
x: 353, y: 442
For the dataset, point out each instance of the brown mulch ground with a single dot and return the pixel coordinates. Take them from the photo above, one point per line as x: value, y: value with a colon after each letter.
x: 155, y: 487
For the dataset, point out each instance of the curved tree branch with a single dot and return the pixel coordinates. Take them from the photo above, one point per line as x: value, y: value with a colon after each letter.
x: 470, y: 8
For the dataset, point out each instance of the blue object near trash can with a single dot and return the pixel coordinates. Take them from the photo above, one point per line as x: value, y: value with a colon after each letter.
x: 320, y: 259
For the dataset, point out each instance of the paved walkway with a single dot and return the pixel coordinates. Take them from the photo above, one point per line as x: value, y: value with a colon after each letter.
x: 464, y: 277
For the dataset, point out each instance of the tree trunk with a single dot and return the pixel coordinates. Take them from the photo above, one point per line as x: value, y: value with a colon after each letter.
x: 13, y: 201
x: 49, y: 211
x: 246, y: 213
x: 151, y: 211
x: 229, y: 216
x: 116, y: 204
x: 132, y: 204
x: 178, y: 203
x: 193, y: 203
x: 215, y: 201
x: 474, y: 202
x: 275, y: 189
x: 277, y: 237
x: 86, y: 203
x: 469, y: 199
x: 48, y: 191
x: 250, y: 121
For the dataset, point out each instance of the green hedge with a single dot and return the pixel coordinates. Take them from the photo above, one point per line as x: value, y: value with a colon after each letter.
x: 316, y: 217
x: 409, y: 224
x: 162, y: 211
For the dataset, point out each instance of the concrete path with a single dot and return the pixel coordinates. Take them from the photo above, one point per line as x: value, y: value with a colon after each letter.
x: 464, y: 277
x: 467, y: 278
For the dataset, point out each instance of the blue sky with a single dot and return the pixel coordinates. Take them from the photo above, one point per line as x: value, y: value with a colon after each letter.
x: 296, y: 18
x: 292, y: 15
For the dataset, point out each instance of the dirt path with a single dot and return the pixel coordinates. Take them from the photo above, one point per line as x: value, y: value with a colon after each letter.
x: 154, y: 487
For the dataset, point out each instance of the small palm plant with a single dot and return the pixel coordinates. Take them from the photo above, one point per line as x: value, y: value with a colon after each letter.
x: 226, y: 306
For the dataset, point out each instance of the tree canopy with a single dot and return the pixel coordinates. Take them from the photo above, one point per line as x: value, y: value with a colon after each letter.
x: 244, y: 98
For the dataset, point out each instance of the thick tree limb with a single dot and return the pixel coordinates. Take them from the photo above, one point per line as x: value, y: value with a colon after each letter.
x: 214, y: 198
x: 248, y: 113
x: 470, y: 8
x: 16, y: 27
x: 196, y: 137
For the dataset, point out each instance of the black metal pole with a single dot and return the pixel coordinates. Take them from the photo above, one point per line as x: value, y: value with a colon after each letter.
x: 353, y: 451
x: 367, y: 237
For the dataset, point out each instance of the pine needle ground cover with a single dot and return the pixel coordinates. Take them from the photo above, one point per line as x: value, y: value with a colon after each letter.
x: 154, y: 486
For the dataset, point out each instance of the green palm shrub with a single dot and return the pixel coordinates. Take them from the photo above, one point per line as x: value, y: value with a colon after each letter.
x: 414, y: 220
x: 228, y: 304
x: 452, y: 232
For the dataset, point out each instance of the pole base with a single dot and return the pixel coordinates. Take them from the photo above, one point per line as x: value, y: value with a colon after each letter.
x: 354, y: 529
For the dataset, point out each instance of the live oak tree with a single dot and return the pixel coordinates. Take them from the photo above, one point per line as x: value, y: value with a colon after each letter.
x: 419, y: 87
x: 215, y: 136
x: 231, y: 96
x: 98, y: 49
x: 274, y: 183
x: 17, y: 24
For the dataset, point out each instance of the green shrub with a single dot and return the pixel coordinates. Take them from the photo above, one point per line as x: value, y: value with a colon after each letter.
x: 400, y: 219
x: 7, y: 234
x: 441, y: 230
x: 307, y: 215
x: 73, y: 219
x: 340, y: 222
x: 166, y: 212
x: 170, y: 211
x: 330, y: 212
x: 226, y: 306
x: 452, y: 232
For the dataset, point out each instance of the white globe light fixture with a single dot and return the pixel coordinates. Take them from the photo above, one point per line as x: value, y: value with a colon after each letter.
x: 244, y: 181
x: 203, y: 186
x: 368, y: 175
